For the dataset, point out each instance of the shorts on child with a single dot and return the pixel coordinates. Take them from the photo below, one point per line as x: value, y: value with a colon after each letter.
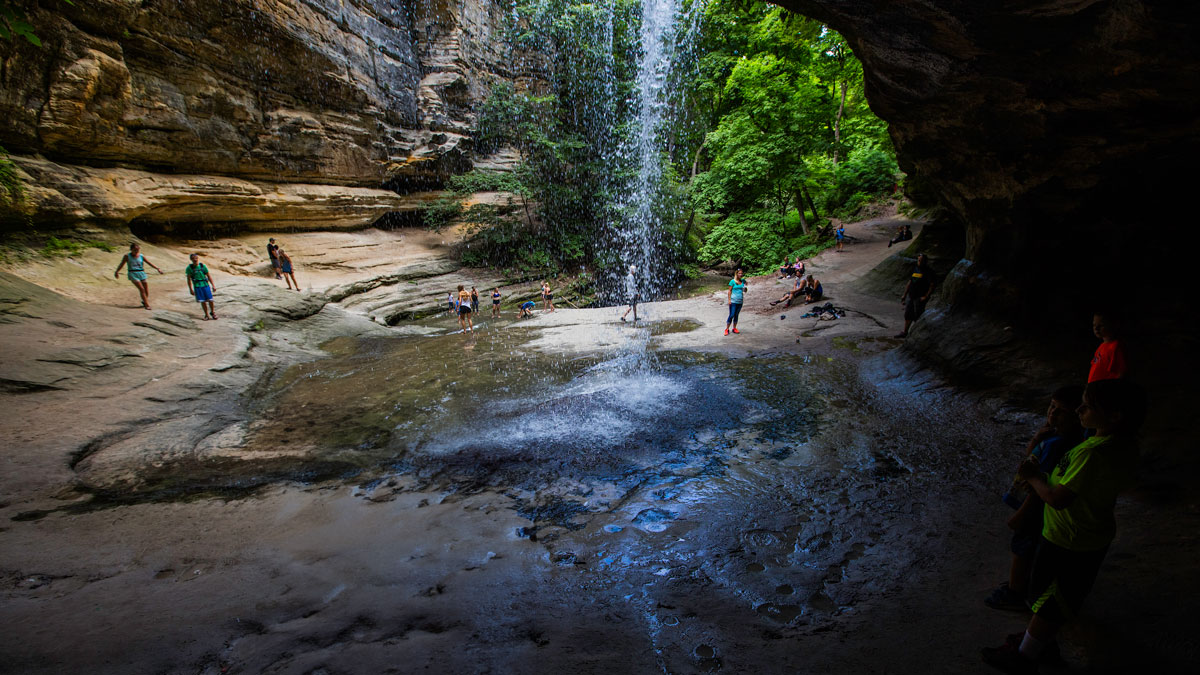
x: 203, y: 293
x: 136, y: 275
x: 1061, y: 580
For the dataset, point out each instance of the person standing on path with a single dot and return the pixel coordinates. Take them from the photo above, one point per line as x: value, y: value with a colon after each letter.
x: 464, y: 310
x: 840, y: 233
x: 737, y: 294
x: 474, y: 300
x: 920, y: 285
x: 496, y: 302
x: 272, y: 253
x: 285, y: 266
x: 548, y: 296
x: 200, y: 285
x: 451, y: 306
x: 137, y: 272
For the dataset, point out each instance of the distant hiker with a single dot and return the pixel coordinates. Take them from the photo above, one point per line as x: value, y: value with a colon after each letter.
x: 814, y: 291
x: 273, y: 254
x: 1060, y: 432
x: 464, y: 309
x: 285, y: 267
x: 496, y: 302
x: 200, y: 285
x: 1108, y: 363
x: 452, y: 306
x: 737, y: 294
x: 1078, y: 525
x: 840, y: 234
x: 918, y: 289
x: 474, y: 300
x: 137, y: 272
x: 633, y: 301
x: 547, y: 296
x: 526, y: 309
x: 903, y: 233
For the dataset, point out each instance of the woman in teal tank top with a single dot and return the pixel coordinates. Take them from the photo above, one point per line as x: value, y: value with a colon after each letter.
x: 137, y: 272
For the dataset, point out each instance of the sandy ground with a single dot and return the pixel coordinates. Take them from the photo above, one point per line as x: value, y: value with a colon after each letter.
x: 345, y: 578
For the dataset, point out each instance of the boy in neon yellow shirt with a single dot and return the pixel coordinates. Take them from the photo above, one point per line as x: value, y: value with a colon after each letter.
x: 1078, y: 524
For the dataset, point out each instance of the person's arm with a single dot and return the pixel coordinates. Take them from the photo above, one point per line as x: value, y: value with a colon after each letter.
x: 1057, y: 497
x: 932, y: 285
x: 906, y: 288
x: 118, y: 272
x: 145, y: 260
x: 208, y: 275
x: 1028, y: 508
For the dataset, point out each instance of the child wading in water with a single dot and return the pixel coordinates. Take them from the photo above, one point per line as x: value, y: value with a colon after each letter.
x: 496, y: 303
x: 137, y: 272
x: 464, y: 310
x: 200, y: 285
x: 1080, y: 496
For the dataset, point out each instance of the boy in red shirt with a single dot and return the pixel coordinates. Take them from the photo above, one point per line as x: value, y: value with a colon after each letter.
x: 1109, y: 361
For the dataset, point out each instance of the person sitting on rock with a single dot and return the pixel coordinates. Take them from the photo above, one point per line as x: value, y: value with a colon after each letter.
x: 785, y: 269
x: 798, y: 267
x: 1080, y: 495
x: 200, y: 285
x: 1108, y: 363
x: 815, y: 292
x: 903, y: 233
x: 799, y: 288
x: 1060, y: 432
x: 917, y: 291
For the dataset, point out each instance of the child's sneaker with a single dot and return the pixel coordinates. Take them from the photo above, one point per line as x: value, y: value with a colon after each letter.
x: 1004, y: 598
x: 735, y: 330
x: 1009, y: 659
x: 727, y: 331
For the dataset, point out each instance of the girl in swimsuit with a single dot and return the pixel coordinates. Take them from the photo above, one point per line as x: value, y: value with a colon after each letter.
x: 137, y: 272
x: 496, y: 303
x: 548, y: 295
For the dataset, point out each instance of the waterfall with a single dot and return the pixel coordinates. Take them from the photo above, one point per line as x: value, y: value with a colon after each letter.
x: 668, y: 28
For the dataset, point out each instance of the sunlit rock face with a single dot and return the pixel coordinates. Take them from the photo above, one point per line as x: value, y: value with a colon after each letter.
x: 1054, y: 133
x: 355, y: 92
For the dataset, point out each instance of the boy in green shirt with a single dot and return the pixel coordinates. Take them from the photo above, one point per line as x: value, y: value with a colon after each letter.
x: 200, y: 285
x: 1078, y: 524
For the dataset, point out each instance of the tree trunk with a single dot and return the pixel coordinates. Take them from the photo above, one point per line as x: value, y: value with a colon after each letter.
x: 837, y: 126
x: 800, y: 207
x: 811, y: 203
x: 695, y: 170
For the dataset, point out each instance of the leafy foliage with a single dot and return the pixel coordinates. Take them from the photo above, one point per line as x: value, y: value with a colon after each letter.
x: 14, y: 22
x: 12, y: 190
x: 70, y: 247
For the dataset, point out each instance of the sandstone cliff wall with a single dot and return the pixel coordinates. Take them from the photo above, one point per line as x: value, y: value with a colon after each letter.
x: 334, y: 92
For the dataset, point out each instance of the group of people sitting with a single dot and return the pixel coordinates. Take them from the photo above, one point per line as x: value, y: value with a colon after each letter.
x: 1063, y: 499
x: 807, y: 287
x: 795, y: 269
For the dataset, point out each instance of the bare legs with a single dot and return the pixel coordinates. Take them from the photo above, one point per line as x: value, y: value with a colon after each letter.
x: 144, y: 291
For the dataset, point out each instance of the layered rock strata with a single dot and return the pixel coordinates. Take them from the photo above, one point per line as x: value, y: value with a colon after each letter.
x: 357, y: 93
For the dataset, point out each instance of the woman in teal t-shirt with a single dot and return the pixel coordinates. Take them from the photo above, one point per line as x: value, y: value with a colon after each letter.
x: 137, y: 272
x: 737, y: 290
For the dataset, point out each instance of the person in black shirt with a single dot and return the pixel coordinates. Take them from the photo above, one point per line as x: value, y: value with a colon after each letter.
x: 273, y: 254
x: 917, y: 291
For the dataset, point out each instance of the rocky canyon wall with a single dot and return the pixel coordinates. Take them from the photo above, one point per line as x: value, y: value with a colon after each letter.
x: 1059, y: 136
x: 179, y: 110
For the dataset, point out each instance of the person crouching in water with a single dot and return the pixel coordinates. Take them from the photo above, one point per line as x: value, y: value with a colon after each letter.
x: 1080, y: 495
x: 464, y: 309
x: 200, y: 285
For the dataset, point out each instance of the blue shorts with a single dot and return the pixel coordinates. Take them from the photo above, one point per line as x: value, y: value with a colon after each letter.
x: 136, y: 275
x: 203, y: 293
